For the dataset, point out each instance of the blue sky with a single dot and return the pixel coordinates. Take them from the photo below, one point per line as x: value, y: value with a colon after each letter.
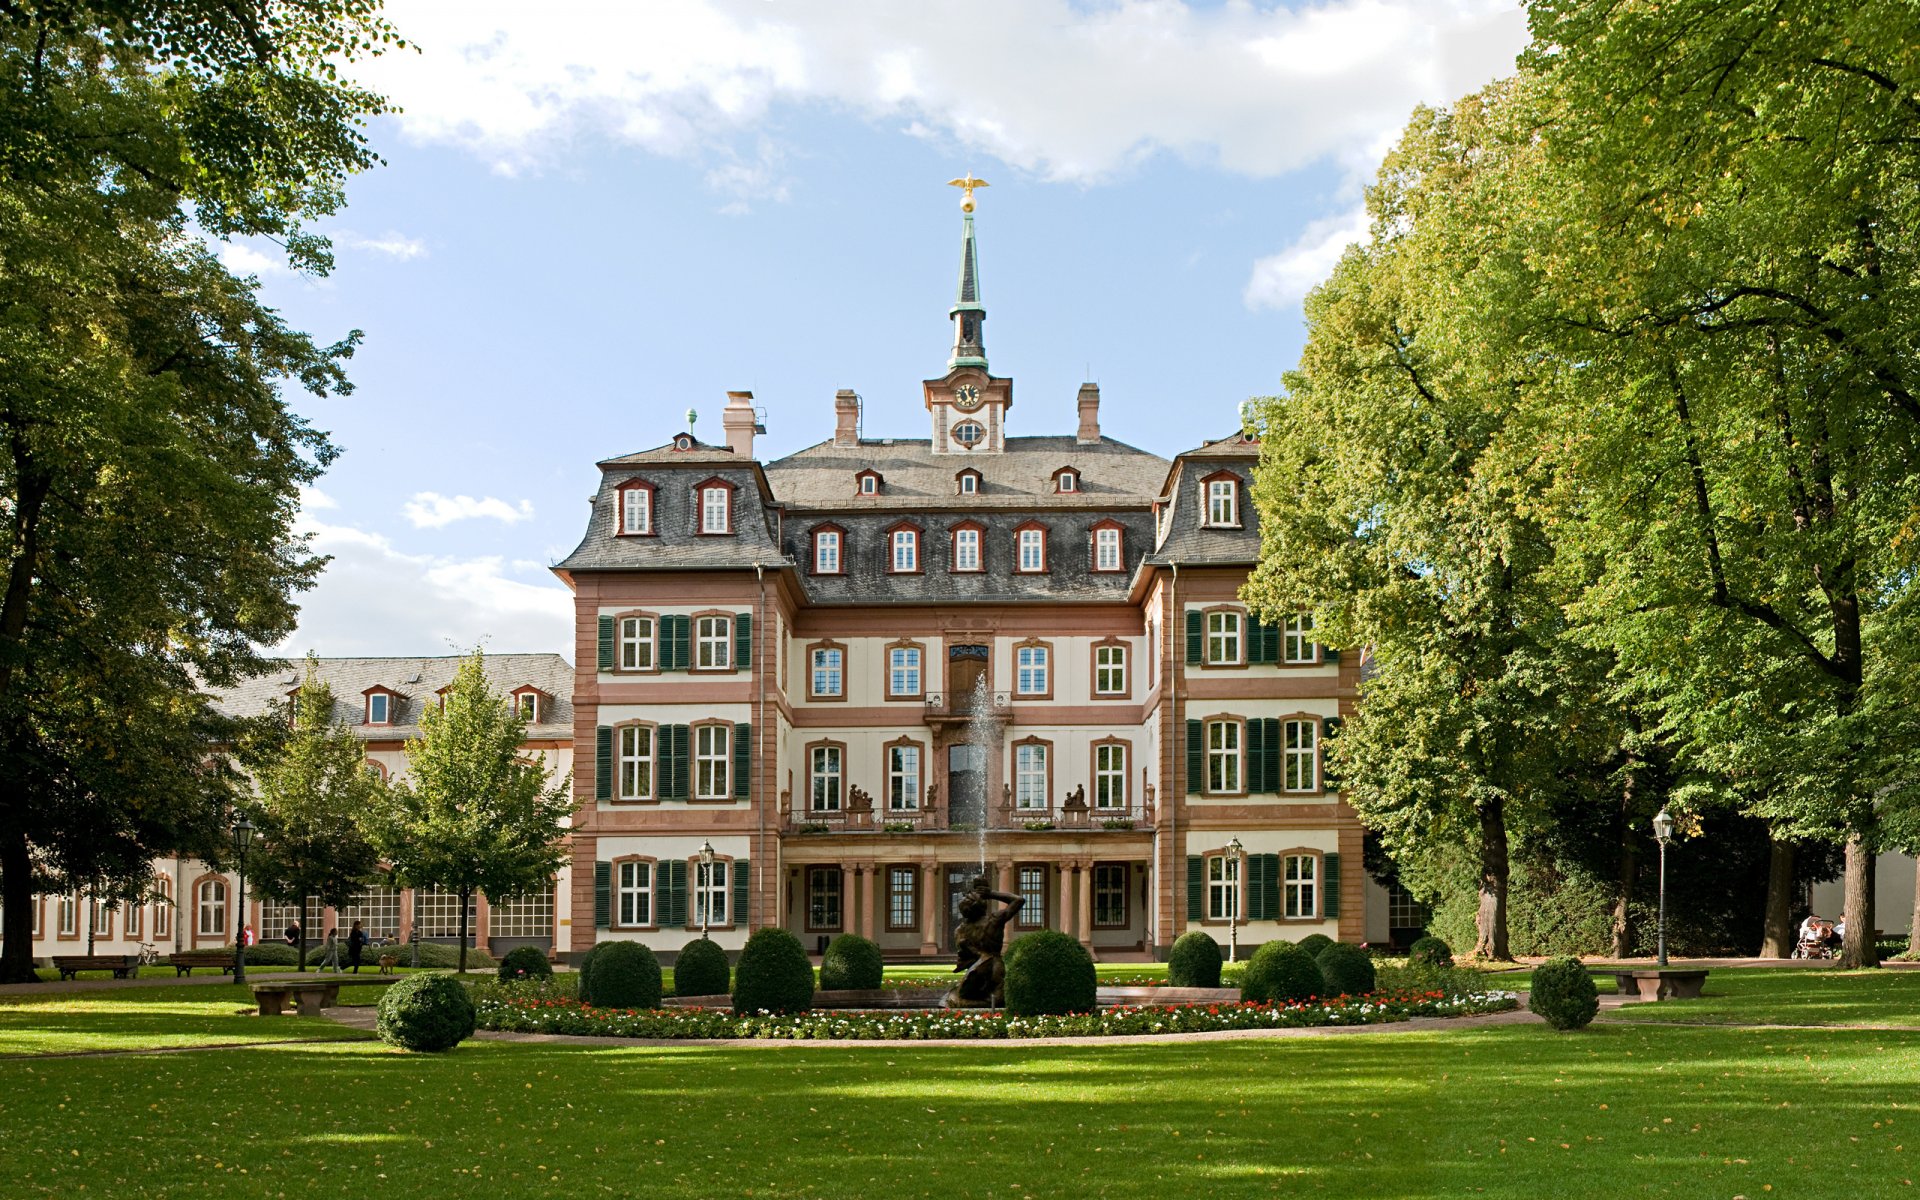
x: 597, y: 216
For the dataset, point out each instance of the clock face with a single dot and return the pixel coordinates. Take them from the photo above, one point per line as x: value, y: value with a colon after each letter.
x: 967, y: 396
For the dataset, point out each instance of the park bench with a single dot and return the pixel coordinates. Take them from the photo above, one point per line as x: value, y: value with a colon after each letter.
x: 122, y: 965
x: 1667, y: 983
x: 309, y: 995
x: 184, y: 961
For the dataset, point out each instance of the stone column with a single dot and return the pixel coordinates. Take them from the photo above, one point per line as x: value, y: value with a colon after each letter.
x: 1084, y: 917
x: 930, y: 914
x: 482, y: 914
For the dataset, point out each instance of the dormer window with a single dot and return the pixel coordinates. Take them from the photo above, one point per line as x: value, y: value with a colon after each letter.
x: 969, y: 434
x: 1066, y: 480
x: 966, y: 547
x: 868, y: 483
x: 1030, y: 549
x: 1107, y: 546
x: 527, y: 704
x: 379, y: 709
x: 968, y: 482
x: 827, y: 545
x: 636, y: 509
x: 903, y: 556
x: 1222, y: 494
x: 683, y: 442
x: 715, y: 498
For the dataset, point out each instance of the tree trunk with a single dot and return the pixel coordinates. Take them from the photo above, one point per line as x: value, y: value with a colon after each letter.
x: 1491, y: 923
x: 1857, y: 948
x: 16, y: 920
x: 301, y: 925
x: 465, y: 898
x: 1629, y: 868
x: 1777, y: 935
x: 1913, y: 930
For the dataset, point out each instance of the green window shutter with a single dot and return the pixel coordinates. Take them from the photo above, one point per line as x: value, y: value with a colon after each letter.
x: 741, y: 875
x: 682, y: 643
x: 603, y: 763
x: 674, y: 907
x: 602, y: 895
x: 743, y: 641
x: 1254, y: 643
x: 1257, y: 888
x: 1196, y: 638
x: 1330, y: 886
x: 1270, y: 732
x: 606, y: 643
x: 682, y: 762
x: 1329, y: 781
x: 1270, y: 637
x: 742, y: 760
x: 1257, y: 759
x: 1196, y: 887
x: 1196, y: 757
x: 1271, y: 874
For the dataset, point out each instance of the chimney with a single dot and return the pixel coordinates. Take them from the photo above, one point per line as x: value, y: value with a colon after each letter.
x: 1089, y: 414
x: 846, y: 418
x: 739, y: 422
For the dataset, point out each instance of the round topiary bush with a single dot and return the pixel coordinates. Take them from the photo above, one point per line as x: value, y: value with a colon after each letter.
x: 701, y: 970
x: 1279, y: 972
x: 624, y: 975
x: 774, y: 974
x: 1314, y: 943
x: 851, y: 962
x: 525, y: 962
x: 1564, y: 994
x: 1194, y: 961
x: 1430, y: 951
x: 1049, y: 973
x: 1347, y: 968
x: 428, y: 1013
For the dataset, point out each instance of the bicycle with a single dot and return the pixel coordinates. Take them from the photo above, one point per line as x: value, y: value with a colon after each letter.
x: 149, y: 954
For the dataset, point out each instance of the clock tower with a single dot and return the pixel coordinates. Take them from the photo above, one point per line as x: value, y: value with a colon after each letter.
x: 968, y: 405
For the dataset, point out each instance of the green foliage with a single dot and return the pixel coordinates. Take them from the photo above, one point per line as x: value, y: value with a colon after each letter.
x: 1430, y: 951
x: 1419, y: 978
x: 438, y: 955
x: 1314, y: 943
x: 624, y: 975
x: 851, y: 961
x: 702, y: 970
x: 525, y: 962
x: 1194, y: 961
x: 1347, y: 968
x: 1563, y: 993
x: 1049, y: 973
x: 427, y: 1013
x: 774, y: 974
x: 1279, y: 972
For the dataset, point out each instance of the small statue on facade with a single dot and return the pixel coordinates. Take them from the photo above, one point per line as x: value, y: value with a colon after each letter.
x: 1076, y: 799
x: 978, y: 944
x: 858, y: 800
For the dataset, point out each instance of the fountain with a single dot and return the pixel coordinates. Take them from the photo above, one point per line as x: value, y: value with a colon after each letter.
x: 978, y: 944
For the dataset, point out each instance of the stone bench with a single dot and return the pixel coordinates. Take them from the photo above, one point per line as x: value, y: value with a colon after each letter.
x: 184, y: 961
x: 1658, y: 983
x: 309, y: 995
x: 122, y: 965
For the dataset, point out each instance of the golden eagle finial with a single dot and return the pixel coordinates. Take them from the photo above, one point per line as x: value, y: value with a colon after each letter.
x: 967, y: 182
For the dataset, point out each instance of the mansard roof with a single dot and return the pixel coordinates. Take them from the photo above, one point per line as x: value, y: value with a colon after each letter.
x: 1183, y: 539
x: 677, y: 544
x: 1111, y: 475
x: 417, y: 681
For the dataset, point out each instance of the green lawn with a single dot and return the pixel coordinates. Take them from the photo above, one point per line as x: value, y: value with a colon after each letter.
x: 1786, y: 996
x: 147, y: 1018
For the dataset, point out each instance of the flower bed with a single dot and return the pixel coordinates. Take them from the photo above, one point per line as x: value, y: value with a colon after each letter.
x: 535, y: 1014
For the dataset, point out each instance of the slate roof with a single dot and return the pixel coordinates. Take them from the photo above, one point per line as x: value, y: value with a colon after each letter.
x: 676, y: 546
x: 418, y: 680
x: 1112, y: 475
x: 1188, y: 542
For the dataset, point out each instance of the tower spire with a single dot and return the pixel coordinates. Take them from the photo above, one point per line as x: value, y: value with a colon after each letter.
x: 968, y: 313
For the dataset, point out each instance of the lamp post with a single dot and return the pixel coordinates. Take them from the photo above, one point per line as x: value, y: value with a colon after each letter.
x: 1233, y: 917
x: 242, y: 838
x: 1663, y: 833
x: 706, y: 886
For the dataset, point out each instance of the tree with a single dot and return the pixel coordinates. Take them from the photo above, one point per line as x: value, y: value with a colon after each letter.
x: 149, y: 466
x: 473, y: 815
x: 313, y: 788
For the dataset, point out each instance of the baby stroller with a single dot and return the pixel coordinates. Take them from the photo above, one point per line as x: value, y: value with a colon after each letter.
x: 1818, y: 938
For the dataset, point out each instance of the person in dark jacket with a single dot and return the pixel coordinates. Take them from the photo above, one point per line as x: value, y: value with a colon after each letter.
x: 356, y: 942
x: 293, y: 933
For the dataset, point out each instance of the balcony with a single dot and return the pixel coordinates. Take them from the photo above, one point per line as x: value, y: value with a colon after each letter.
x: 960, y: 705
x: 1071, y: 814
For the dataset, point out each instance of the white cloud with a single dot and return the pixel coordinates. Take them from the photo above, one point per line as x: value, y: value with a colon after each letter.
x: 242, y: 259
x: 431, y: 510
x: 391, y: 244
x: 1285, y: 278
x: 312, y: 498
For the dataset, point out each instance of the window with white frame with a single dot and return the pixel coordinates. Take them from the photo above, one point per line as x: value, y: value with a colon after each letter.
x: 636, y: 510
x: 823, y: 897
x: 1110, y: 775
x: 712, y: 755
x: 826, y: 774
x: 633, y: 891
x: 1030, y: 776
x: 1300, y: 750
x: 969, y: 483
x: 713, y: 641
x: 133, y: 923
x: 636, y: 762
x: 1300, y: 886
x: 528, y: 705
x: 827, y: 665
x: 1033, y: 549
x: 715, y: 503
x: 162, y: 907
x: 1296, y: 640
x: 1223, y: 638
x: 1223, y: 756
x: 906, y: 551
x: 1223, y: 502
x: 212, y: 905
x: 966, y: 549
x: 39, y: 907
x: 1032, y: 674
x: 1106, y: 549
x: 1109, y: 895
x: 68, y: 922
x: 436, y: 913
x: 903, y: 778
x: 826, y: 552
x: 636, y: 643
x: 529, y: 916
x: 377, y: 909
x: 903, y: 670
x: 969, y: 433
x: 903, y: 892
x: 102, y: 916
x: 869, y: 485
x: 1030, y: 884
x: 1223, y: 879
x: 1110, y: 670
x: 710, y: 892
x: 378, y: 708
x: 1069, y: 482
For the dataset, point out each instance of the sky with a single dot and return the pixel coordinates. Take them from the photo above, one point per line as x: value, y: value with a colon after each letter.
x: 597, y: 216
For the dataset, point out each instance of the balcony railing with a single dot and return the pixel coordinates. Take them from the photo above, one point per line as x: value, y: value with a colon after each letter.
x: 860, y: 815
x: 941, y: 704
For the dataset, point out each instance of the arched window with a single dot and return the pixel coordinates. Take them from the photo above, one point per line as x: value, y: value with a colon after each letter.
x: 211, y: 905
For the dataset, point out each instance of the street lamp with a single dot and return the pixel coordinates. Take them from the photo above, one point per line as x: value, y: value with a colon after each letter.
x: 1663, y: 833
x: 1233, y: 917
x: 242, y: 838
x: 706, y: 886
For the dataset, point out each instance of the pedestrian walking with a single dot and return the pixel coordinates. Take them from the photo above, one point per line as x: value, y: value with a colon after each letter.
x: 356, y: 942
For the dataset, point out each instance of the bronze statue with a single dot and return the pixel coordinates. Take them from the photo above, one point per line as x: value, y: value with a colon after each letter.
x: 978, y: 943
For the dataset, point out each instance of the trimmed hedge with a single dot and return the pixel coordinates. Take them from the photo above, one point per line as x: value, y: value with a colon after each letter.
x: 1194, y: 961
x: 702, y: 970
x: 1049, y: 974
x: 1281, y: 971
x: 1564, y: 994
x: 426, y: 1013
x: 625, y: 975
x: 774, y: 974
x: 1347, y: 969
x: 851, y: 962
x: 1431, y: 951
x: 526, y: 962
x: 1314, y: 943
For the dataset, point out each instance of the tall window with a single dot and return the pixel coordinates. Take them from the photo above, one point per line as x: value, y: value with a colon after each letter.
x: 1223, y: 638
x: 826, y: 552
x: 1223, y: 874
x: 636, y: 762
x: 826, y: 671
x: 823, y: 897
x: 102, y: 916
x: 1300, y: 887
x: 906, y: 551
x: 1110, y: 895
x: 377, y: 708
x: 1106, y: 550
x: 714, y: 517
x: 1110, y: 670
x: 1110, y: 775
x: 966, y: 549
x: 1223, y: 756
x: 1300, y: 750
x: 1031, y: 886
x: 528, y: 706
x: 710, y: 761
x: 213, y: 908
x: 1223, y: 507
x: 133, y: 922
x: 636, y: 643
x: 1296, y: 643
x: 903, y: 671
x: 1030, y: 776
x: 162, y: 907
x: 1033, y: 549
x: 69, y: 922
x: 903, y: 778
x: 827, y: 776
x: 636, y: 510
x: 635, y: 888
x: 714, y: 638
x: 1031, y: 678
x: 710, y: 893
x: 902, y: 893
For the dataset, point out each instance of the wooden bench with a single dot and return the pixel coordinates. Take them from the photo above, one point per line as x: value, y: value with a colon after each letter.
x: 184, y: 961
x: 309, y: 995
x: 122, y: 965
x: 1660, y: 983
